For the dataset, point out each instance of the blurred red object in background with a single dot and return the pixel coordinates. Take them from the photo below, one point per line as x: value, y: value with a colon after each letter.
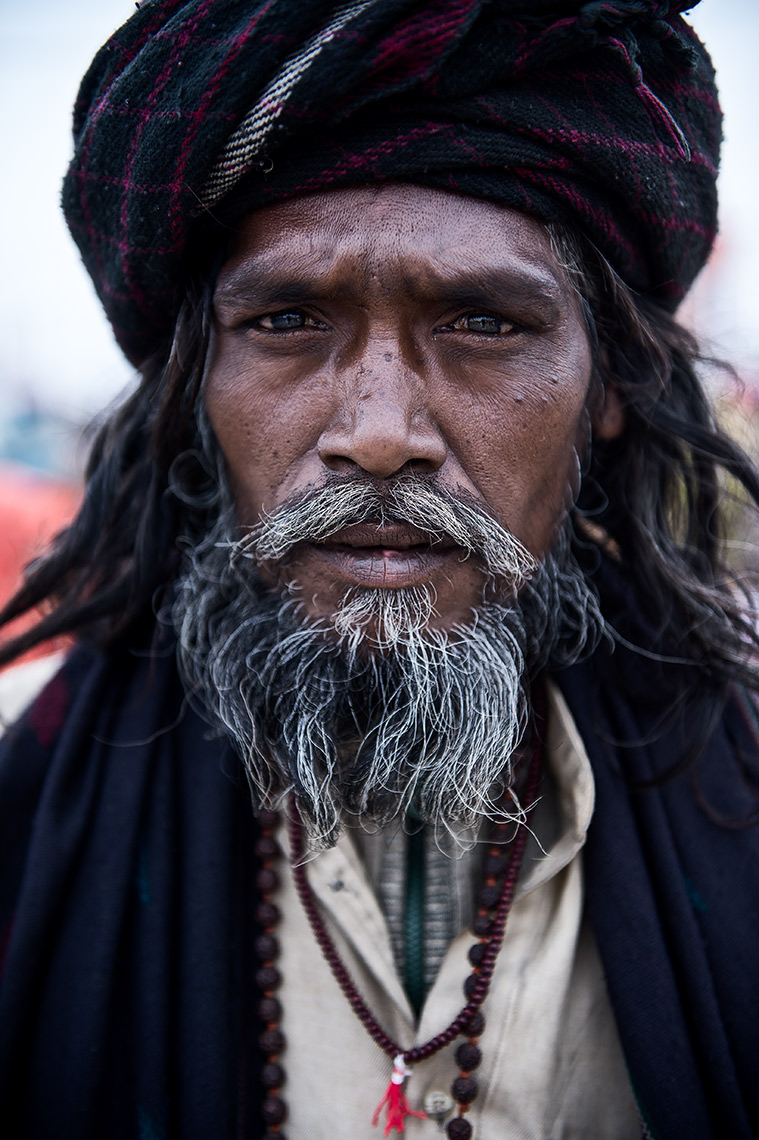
x: 33, y: 508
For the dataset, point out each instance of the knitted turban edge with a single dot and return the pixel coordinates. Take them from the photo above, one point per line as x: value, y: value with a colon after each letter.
x: 603, y: 116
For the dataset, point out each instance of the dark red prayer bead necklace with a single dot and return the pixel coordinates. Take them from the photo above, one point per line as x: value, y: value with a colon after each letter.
x: 502, y: 865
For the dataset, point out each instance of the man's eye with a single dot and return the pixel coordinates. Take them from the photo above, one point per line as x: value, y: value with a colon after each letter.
x: 285, y: 321
x: 484, y: 324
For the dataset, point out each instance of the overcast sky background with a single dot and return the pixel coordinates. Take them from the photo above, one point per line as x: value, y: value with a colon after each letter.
x: 54, y: 341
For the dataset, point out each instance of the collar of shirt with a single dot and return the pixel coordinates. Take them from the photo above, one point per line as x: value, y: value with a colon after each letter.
x: 551, y: 1064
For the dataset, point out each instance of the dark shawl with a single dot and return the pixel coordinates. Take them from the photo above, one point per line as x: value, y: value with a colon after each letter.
x: 128, y: 1009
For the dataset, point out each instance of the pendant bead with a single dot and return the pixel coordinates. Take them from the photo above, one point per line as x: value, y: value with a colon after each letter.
x: 464, y: 1090
x: 267, y: 947
x: 272, y: 1041
x: 268, y: 820
x: 482, y: 925
x: 269, y: 1009
x: 272, y: 1075
x: 274, y: 1110
x: 468, y: 1056
x: 473, y: 985
x: 476, y: 1024
x: 477, y: 953
x: 496, y: 865
x: 266, y: 847
x: 268, y: 914
x: 488, y: 896
x: 268, y: 978
x: 459, y: 1129
x: 267, y: 880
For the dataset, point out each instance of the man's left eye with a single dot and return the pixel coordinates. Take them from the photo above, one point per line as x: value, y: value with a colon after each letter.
x: 483, y: 323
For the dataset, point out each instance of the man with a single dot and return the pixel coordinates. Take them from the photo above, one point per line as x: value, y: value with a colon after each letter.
x: 414, y: 518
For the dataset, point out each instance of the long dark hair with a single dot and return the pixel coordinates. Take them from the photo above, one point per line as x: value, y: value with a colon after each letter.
x: 660, y: 490
x: 655, y: 493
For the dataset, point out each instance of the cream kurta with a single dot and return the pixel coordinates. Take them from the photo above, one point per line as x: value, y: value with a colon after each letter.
x: 552, y: 1068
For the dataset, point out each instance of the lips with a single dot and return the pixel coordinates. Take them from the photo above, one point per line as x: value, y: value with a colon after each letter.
x: 392, y: 556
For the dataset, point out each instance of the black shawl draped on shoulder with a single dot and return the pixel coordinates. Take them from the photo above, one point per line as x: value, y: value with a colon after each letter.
x: 128, y: 1006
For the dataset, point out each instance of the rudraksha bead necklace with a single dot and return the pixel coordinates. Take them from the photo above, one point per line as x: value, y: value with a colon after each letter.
x: 502, y: 865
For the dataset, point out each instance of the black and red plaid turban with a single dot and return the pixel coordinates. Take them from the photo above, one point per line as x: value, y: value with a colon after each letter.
x: 602, y: 115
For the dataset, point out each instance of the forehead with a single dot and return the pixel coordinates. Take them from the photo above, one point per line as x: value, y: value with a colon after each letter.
x: 423, y: 239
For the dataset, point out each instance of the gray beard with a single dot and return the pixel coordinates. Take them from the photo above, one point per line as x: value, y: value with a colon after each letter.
x: 375, y: 710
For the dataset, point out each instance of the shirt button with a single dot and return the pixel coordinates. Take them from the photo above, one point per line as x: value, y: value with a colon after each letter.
x: 438, y: 1103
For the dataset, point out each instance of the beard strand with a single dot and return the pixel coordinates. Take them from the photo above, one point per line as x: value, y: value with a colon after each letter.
x: 430, y: 718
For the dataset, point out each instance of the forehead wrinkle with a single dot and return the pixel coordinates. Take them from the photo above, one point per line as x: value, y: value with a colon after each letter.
x: 382, y: 241
x: 480, y: 283
x: 278, y: 273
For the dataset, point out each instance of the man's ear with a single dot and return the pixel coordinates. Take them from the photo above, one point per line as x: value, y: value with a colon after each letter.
x: 609, y: 418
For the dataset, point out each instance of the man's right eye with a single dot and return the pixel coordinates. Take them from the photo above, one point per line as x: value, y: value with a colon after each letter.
x: 285, y: 321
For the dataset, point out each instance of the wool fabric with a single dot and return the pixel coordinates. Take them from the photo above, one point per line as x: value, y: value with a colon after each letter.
x: 128, y: 998
x: 603, y: 116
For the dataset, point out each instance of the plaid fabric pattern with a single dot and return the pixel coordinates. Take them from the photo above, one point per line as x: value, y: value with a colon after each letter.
x: 603, y: 115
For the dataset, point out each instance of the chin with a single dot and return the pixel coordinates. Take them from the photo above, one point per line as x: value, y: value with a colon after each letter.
x: 437, y: 605
x: 377, y: 619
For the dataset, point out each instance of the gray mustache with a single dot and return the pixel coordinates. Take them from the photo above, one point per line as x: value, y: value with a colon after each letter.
x: 315, y: 516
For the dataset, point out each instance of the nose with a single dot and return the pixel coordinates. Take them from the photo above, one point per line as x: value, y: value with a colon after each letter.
x: 383, y: 424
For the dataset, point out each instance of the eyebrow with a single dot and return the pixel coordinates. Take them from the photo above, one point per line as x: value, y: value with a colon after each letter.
x: 511, y: 286
x: 507, y: 287
x: 248, y: 289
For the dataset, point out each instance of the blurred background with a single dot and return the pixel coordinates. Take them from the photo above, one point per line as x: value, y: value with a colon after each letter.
x: 58, y: 364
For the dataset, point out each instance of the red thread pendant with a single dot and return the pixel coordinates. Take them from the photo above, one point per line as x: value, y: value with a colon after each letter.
x: 394, y: 1101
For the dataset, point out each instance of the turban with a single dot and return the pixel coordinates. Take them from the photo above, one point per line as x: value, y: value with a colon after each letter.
x: 603, y: 116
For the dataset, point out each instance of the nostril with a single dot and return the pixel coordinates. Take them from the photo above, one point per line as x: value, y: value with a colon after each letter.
x: 383, y: 445
x: 340, y: 464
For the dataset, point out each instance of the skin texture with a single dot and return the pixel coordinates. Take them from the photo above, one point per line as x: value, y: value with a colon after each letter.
x: 392, y: 329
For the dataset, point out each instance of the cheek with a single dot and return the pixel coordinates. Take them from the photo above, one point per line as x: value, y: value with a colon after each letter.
x: 558, y: 441
x: 533, y: 437
x: 265, y: 425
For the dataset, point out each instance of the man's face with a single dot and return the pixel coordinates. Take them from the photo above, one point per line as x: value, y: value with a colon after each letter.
x: 388, y: 330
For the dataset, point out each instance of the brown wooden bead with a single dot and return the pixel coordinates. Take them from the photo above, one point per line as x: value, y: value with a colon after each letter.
x: 272, y: 1076
x: 267, y: 947
x: 267, y: 847
x: 488, y: 896
x: 269, y: 1009
x: 268, y: 914
x: 482, y: 925
x: 477, y: 953
x: 475, y: 1025
x: 268, y: 978
x: 267, y: 820
x: 274, y: 1110
x: 267, y: 880
x: 272, y: 1041
x: 496, y: 865
x: 468, y: 1056
x: 464, y: 1090
x: 471, y: 984
x: 458, y: 1129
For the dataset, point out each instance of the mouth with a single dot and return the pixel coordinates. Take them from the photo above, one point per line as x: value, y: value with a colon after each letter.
x: 390, y: 557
